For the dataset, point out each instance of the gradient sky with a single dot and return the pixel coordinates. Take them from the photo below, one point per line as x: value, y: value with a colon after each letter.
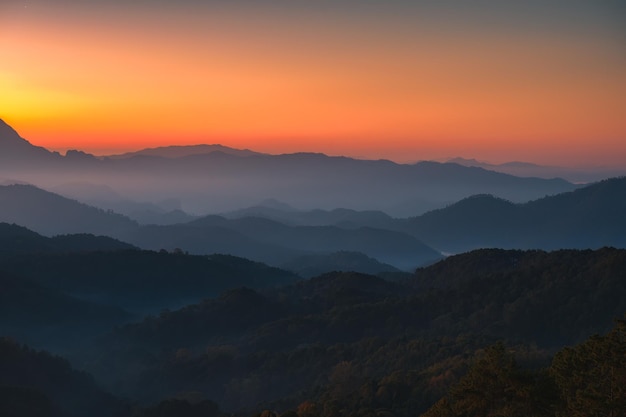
x: 541, y: 81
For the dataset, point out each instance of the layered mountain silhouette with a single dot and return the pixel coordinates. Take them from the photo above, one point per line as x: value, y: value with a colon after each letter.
x: 589, y: 217
x: 213, y: 179
x: 276, y: 243
x: 341, y: 217
x: 254, y: 238
x: 104, y: 197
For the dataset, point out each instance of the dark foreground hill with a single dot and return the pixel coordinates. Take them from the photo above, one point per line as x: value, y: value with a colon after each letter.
x: 42, y: 316
x: 345, y: 341
x: 37, y: 384
x: 143, y: 281
x: 590, y: 217
x: 60, y: 292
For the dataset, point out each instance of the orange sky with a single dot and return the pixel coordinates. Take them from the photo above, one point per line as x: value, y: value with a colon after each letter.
x: 404, y: 84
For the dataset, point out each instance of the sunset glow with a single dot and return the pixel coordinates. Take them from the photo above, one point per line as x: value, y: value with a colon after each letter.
x: 399, y: 82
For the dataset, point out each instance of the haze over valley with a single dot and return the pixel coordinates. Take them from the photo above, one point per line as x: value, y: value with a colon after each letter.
x: 276, y: 208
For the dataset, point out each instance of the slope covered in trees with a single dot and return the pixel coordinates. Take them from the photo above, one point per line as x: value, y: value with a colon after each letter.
x: 37, y: 384
x: 347, y: 341
x: 584, y: 380
x: 143, y: 281
x: 16, y: 240
x: 337, y: 344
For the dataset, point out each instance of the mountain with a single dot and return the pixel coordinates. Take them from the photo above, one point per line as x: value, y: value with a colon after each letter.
x: 224, y: 180
x: 37, y: 384
x: 183, y: 151
x: 161, y: 212
x: 142, y: 281
x: 526, y: 169
x: 308, y: 266
x: 276, y: 243
x: 51, y: 214
x: 590, y: 217
x: 363, y: 343
x: 38, y: 315
x: 18, y: 240
x: 254, y: 238
x: 341, y: 217
x: 16, y: 151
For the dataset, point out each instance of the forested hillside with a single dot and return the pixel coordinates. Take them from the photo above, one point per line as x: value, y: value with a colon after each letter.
x: 350, y: 341
x: 179, y: 335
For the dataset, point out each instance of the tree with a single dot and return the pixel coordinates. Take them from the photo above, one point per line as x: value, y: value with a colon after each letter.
x: 495, y: 386
x: 592, y: 376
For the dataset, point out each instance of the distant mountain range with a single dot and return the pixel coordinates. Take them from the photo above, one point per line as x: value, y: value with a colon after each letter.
x: 590, y: 217
x: 183, y: 151
x: 345, y: 218
x: 254, y: 238
x: 212, y: 178
x: 276, y: 243
x: 526, y: 169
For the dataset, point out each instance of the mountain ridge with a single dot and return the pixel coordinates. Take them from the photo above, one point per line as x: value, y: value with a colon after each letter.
x: 219, y: 182
x: 589, y: 217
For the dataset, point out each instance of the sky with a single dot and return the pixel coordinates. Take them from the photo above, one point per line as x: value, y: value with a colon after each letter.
x: 538, y: 81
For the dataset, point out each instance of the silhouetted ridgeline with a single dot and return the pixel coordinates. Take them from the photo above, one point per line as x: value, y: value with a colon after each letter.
x: 141, y: 280
x: 254, y: 238
x: 16, y: 240
x: 17, y: 152
x: 211, y: 179
x: 308, y: 266
x: 277, y: 243
x: 590, y: 217
x: 188, y: 329
x: 50, y: 214
x: 37, y: 384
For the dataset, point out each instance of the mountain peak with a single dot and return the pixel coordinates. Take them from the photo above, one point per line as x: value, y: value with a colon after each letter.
x: 14, y: 149
x: 182, y: 151
x: 7, y: 133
